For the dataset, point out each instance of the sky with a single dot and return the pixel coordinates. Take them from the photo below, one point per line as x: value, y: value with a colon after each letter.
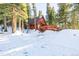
x: 42, y: 7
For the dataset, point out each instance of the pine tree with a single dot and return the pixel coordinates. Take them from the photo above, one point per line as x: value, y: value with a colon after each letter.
x: 51, y: 14
x: 13, y: 10
x: 40, y: 14
x: 74, y: 15
x: 4, y: 13
x: 63, y: 13
x: 20, y: 10
x: 28, y: 11
x: 35, y: 14
x: 48, y: 13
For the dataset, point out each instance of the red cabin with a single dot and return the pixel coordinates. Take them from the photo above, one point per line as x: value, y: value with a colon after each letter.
x: 41, y: 25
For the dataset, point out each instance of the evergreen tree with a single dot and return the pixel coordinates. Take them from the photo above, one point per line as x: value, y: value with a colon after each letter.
x: 63, y: 13
x: 74, y: 15
x: 13, y: 10
x: 28, y: 11
x: 40, y: 13
x: 4, y: 13
x: 35, y: 14
x: 51, y: 14
x: 34, y: 9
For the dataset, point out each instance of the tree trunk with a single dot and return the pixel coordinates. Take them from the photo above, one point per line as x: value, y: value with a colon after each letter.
x: 74, y: 21
x: 5, y: 24
x: 65, y: 24
x: 14, y: 21
x: 20, y: 24
x: 35, y: 23
x: 35, y: 14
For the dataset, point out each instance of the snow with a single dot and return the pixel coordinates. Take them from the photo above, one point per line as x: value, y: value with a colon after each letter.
x: 35, y: 43
x: 17, y: 33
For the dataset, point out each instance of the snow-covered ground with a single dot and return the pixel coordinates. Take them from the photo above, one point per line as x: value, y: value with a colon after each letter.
x: 35, y: 43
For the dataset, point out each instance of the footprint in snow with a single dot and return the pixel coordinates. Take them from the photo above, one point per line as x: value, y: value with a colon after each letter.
x: 43, y: 46
x: 26, y: 53
x: 0, y: 50
x: 74, y: 34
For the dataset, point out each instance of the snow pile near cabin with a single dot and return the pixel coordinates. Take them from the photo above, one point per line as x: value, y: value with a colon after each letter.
x: 35, y: 43
x: 17, y: 33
